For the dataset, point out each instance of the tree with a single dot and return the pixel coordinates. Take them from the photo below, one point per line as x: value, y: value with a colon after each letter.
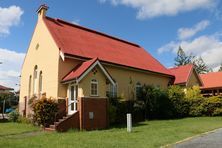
x: 200, y: 66
x: 220, y: 69
x: 182, y: 58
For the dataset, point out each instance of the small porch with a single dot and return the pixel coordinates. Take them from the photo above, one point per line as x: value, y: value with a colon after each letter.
x: 86, y: 104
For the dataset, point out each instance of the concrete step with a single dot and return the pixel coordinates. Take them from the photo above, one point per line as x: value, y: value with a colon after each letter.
x: 61, y: 120
x: 65, y: 117
x: 56, y: 123
x: 52, y: 126
x: 49, y: 129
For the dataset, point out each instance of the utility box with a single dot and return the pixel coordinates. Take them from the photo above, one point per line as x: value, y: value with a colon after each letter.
x: 91, y: 115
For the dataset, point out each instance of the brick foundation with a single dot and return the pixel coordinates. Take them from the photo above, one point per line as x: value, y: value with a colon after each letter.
x: 92, y: 114
x: 97, y: 109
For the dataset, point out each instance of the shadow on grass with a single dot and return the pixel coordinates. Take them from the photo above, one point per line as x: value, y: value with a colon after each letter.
x: 3, y: 120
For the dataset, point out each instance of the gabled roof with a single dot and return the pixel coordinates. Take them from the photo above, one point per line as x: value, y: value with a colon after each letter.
x: 211, y: 80
x: 5, y: 88
x: 85, y: 43
x: 78, y: 70
x: 81, y: 70
x: 182, y: 73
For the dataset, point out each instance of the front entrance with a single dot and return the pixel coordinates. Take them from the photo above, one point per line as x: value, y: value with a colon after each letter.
x: 72, y: 103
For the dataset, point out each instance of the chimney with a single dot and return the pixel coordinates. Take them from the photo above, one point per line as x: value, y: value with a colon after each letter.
x: 42, y: 10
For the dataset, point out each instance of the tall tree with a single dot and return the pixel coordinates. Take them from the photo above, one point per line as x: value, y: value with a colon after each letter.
x: 182, y: 58
x: 200, y: 65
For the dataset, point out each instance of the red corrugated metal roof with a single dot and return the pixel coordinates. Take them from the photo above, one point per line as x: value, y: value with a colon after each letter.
x: 86, y: 43
x: 181, y: 73
x: 5, y: 88
x: 211, y: 80
x: 79, y: 70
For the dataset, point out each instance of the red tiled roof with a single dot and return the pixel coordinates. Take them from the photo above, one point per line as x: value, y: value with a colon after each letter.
x: 181, y: 73
x: 79, y: 70
x: 86, y: 43
x: 5, y: 88
x: 211, y: 80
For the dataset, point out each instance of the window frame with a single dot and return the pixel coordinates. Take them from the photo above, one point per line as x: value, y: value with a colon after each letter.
x: 138, y: 86
x: 94, y: 82
x: 35, y: 80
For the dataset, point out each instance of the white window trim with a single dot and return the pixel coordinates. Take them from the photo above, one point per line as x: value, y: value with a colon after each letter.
x: 97, y: 84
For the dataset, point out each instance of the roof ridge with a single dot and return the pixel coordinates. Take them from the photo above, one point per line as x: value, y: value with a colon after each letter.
x: 93, y: 31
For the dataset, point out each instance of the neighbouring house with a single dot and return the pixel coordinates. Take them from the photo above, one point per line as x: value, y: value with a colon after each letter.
x: 212, y: 84
x: 186, y: 76
x: 83, y: 67
x: 5, y: 90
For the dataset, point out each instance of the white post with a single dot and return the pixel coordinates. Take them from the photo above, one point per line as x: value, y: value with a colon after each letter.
x: 129, y: 122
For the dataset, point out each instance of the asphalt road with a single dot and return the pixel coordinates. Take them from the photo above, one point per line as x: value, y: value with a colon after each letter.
x: 211, y: 140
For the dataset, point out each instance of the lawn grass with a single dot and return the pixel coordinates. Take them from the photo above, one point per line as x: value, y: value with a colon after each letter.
x: 10, y: 128
x: 145, y: 135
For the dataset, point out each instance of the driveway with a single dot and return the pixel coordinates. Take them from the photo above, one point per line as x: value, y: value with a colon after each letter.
x: 211, y: 140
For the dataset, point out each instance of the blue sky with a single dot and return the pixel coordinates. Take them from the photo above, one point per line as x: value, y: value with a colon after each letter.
x: 158, y: 26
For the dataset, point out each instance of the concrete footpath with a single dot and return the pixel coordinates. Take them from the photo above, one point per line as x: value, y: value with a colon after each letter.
x: 210, y: 140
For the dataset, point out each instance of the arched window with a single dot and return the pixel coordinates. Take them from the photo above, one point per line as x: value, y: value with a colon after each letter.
x: 138, y: 89
x: 30, y: 84
x: 35, y: 73
x: 40, y: 82
x: 94, y: 87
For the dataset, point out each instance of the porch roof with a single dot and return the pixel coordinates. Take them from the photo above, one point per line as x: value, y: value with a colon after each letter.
x: 82, y: 69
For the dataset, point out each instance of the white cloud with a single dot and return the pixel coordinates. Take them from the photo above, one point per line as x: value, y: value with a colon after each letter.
x: 209, y: 47
x: 186, y: 33
x: 154, y: 8
x: 76, y: 22
x: 9, y: 17
x: 10, y: 67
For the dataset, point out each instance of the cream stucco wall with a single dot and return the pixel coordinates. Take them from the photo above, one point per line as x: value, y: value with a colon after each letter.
x: 123, y: 76
x: 46, y: 57
x: 194, y: 80
x: 64, y: 68
x: 84, y: 84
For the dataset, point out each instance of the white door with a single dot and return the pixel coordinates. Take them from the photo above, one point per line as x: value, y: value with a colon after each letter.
x: 72, y: 104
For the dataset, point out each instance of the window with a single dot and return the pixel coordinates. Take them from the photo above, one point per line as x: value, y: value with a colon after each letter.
x: 30, y: 84
x: 138, y: 89
x: 94, y: 87
x: 112, y: 92
x: 35, y: 79
x: 40, y: 82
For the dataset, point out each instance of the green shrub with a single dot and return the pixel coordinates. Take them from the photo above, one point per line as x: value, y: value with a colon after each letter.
x: 212, y: 105
x: 193, y: 93
x: 179, y: 105
x: 112, y: 114
x: 14, y: 116
x: 44, y: 110
x: 217, y: 112
x: 196, y: 108
x: 24, y: 120
x: 119, y: 108
x: 156, y: 102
